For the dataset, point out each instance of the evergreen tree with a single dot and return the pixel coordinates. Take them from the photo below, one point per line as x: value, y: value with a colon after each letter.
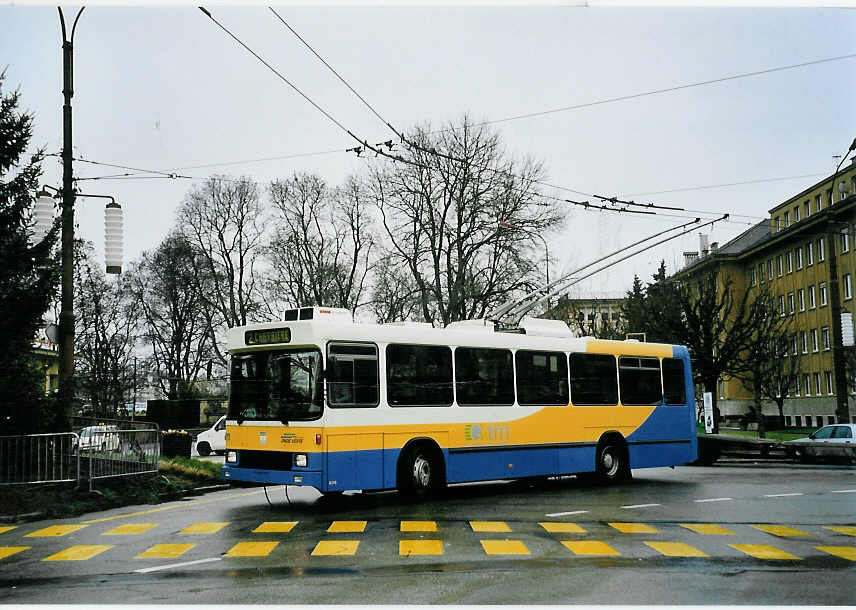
x: 29, y: 275
x: 634, y: 309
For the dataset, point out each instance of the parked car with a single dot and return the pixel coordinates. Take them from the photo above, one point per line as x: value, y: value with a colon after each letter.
x: 213, y: 439
x: 95, y: 438
x: 835, y: 441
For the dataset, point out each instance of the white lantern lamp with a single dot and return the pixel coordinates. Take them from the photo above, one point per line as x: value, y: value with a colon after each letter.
x: 43, y: 215
x: 113, y: 233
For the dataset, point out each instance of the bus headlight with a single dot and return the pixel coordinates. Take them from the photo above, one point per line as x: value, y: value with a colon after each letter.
x: 232, y: 456
x: 300, y: 460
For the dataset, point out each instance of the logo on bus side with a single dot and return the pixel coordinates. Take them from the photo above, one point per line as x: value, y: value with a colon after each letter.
x: 489, y: 432
x: 291, y: 438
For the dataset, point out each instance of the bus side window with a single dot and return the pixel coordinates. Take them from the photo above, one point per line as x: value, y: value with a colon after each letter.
x: 352, y: 375
x: 542, y: 378
x: 484, y: 376
x: 639, y: 380
x: 674, y: 388
x: 593, y: 379
x: 418, y: 375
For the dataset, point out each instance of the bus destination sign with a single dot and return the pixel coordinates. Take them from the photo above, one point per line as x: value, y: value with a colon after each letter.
x: 265, y: 337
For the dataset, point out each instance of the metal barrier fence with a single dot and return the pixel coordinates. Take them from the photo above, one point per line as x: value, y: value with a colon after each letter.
x: 39, y: 458
x: 107, y: 452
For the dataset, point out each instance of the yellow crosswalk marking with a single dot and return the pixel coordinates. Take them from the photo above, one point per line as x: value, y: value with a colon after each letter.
x: 6, y: 528
x: 275, y: 527
x: 166, y: 551
x: 251, y: 549
x: 340, y: 527
x: 676, y: 549
x: 418, y: 526
x: 842, y: 529
x: 634, y: 528
x: 562, y: 528
x: 336, y: 547
x: 54, y: 530
x: 707, y: 529
x: 847, y: 552
x: 7, y: 551
x: 204, y: 528
x: 130, y: 528
x: 504, y: 547
x: 79, y: 552
x: 490, y: 526
x: 762, y: 551
x: 420, y: 547
x: 589, y: 547
x: 781, y: 530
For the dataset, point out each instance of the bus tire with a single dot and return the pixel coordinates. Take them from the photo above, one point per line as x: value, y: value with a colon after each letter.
x: 613, y: 463
x: 420, y: 471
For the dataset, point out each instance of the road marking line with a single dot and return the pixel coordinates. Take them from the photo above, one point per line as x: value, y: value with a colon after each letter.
x: 714, y: 500
x: 562, y: 528
x: 676, y: 549
x: 343, y: 527
x: 420, y: 547
x: 54, y: 531
x: 641, y: 505
x: 130, y: 528
x: 7, y: 551
x: 252, y: 549
x: 589, y: 547
x: 504, y: 547
x: 781, y: 530
x: 762, y: 551
x: 176, y: 565
x: 179, y: 505
x: 847, y: 552
x: 633, y: 528
x: 270, y: 527
x: 205, y: 527
x: 843, y: 491
x: 6, y: 528
x: 707, y: 529
x: 489, y: 526
x: 781, y: 495
x: 418, y: 526
x: 336, y: 547
x: 842, y: 529
x: 79, y: 552
x: 166, y: 551
x: 570, y: 512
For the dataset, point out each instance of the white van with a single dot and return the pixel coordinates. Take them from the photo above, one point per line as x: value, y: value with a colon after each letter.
x: 213, y: 439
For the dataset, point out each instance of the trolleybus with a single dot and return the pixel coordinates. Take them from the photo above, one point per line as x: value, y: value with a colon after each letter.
x: 323, y: 401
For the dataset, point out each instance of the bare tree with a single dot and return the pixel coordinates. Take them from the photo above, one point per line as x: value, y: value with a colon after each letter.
x: 321, y: 250
x: 462, y: 220
x: 166, y: 285
x: 223, y: 221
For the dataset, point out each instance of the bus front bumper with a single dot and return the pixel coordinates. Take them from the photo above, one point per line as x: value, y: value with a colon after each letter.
x: 305, y: 478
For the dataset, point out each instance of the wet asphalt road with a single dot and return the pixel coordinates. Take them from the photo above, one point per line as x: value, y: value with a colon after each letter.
x: 727, y: 534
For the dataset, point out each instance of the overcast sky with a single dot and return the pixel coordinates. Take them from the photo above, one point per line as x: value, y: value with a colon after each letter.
x: 165, y: 88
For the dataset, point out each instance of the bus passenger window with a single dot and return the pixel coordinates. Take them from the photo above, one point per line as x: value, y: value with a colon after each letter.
x: 639, y: 381
x: 542, y: 378
x: 418, y: 375
x: 593, y: 379
x: 352, y: 375
x: 674, y: 388
x: 484, y: 376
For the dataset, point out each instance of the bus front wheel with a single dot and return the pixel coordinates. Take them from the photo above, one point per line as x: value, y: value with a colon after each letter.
x: 612, y: 463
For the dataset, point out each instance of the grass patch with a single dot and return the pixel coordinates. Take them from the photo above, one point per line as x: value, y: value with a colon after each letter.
x: 773, y: 435
x: 176, y: 478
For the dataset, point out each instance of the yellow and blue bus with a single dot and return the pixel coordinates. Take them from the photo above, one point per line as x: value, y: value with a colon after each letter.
x: 323, y: 401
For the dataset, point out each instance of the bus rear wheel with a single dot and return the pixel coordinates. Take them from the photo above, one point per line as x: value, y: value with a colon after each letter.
x: 612, y: 463
x: 420, y: 472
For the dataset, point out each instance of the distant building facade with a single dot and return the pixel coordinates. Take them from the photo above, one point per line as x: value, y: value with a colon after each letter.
x: 592, y: 316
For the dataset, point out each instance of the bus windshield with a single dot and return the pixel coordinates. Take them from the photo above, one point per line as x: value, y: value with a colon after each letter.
x: 281, y: 385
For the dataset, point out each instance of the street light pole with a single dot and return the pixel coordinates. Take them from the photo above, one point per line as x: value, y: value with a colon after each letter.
x: 66, y: 316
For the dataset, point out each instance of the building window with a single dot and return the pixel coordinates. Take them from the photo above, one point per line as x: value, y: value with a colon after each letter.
x: 813, y: 339
x: 777, y: 224
x: 791, y: 303
x: 848, y: 288
x: 797, y: 385
x: 798, y: 418
x: 799, y: 257
x: 812, y: 303
x: 806, y: 209
x: 828, y: 376
x: 804, y: 341
x: 779, y: 265
x: 722, y: 389
x: 828, y: 197
x: 789, y: 265
x: 817, y: 390
x: 807, y: 385
x: 752, y: 276
x: 820, y: 250
x: 787, y: 217
x: 761, y: 273
x: 782, y: 305
x: 824, y: 335
x: 794, y: 350
x: 818, y: 204
x: 809, y: 253
x: 788, y: 421
x: 822, y: 287
x: 845, y: 241
x: 770, y: 269
x: 801, y: 298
